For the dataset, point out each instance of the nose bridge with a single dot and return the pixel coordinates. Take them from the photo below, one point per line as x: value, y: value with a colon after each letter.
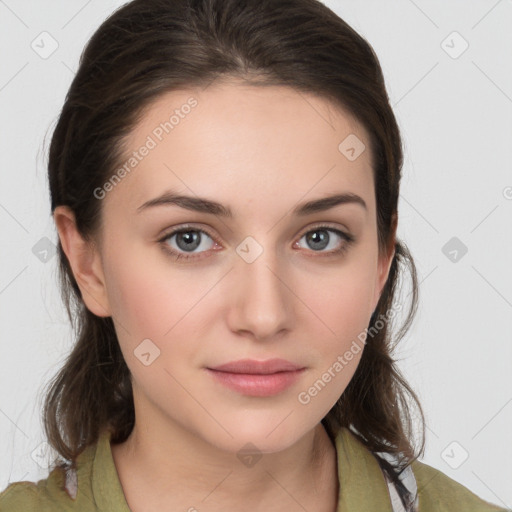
x: 262, y: 299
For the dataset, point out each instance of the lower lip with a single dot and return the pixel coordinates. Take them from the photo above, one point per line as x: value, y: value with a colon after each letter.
x: 257, y: 385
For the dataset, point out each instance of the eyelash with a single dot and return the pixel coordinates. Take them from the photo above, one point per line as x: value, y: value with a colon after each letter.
x: 349, y: 239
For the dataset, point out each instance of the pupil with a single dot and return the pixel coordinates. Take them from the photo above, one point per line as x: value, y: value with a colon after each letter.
x: 319, y: 241
x: 188, y: 238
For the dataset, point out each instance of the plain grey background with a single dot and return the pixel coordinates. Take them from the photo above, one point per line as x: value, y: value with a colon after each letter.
x: 448, y: 70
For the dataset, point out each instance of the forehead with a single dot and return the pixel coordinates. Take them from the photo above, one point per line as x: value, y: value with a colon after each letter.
x: 236, y: 143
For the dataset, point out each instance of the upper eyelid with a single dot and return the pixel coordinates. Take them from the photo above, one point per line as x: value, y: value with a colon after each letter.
x: 191, y: 227
x: 320, y: 225
x: 184, y: 228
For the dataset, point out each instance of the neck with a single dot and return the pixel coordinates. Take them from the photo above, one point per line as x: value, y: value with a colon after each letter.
x: 180, y: 468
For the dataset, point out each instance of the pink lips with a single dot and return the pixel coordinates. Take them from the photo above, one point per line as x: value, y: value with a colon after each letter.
x: 257, y: 378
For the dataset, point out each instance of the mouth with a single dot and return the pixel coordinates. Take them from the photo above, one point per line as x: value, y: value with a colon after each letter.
x: 257, y: 378
x: 254, y: 367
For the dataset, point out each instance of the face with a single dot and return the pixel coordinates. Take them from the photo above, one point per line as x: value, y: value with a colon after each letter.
x: 192, y: 285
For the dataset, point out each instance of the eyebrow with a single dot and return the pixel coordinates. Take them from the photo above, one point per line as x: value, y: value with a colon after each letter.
x: 203, y: 205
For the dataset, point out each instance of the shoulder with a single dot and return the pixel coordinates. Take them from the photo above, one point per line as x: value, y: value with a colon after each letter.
x: 440, y: 493
x: 20, y: 496
x: 42, y: 496
x: 57, y: 493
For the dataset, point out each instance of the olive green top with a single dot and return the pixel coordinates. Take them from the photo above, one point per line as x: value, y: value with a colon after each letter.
x: 362, y: 485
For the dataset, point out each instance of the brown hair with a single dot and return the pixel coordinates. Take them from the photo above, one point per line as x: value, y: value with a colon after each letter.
x: 149, y: 47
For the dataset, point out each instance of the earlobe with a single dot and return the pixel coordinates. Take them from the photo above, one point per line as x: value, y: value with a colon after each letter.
x: 85, y: 262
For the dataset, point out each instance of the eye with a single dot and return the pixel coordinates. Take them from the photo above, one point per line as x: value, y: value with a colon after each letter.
x: 322, y: 237
x: 186, y: 240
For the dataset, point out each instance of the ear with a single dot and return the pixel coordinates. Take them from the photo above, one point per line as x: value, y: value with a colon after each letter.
x: 85, y: 262
x: 385, y: 261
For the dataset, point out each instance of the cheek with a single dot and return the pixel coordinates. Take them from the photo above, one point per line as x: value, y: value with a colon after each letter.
x: 341, y: 303
x: 148, y: 313
x: 342, y: 299
x: 140, y: 308
x: 147, y: 296
x: 151, y: 301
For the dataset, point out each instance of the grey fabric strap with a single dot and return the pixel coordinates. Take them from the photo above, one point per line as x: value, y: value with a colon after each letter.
x: 403, y: 489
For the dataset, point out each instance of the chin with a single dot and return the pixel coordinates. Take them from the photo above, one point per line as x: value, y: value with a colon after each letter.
x: 267, y: 435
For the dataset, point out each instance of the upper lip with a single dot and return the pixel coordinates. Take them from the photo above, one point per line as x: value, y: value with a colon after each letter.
x: 252, y: 366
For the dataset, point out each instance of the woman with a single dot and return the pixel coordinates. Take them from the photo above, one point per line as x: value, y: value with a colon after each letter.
x: 252, y: 369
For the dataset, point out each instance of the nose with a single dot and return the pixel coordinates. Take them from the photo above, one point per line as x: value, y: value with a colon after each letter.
x: 261, y: 302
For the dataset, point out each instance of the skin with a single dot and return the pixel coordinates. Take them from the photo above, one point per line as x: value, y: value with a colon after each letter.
x: 258, y: 151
